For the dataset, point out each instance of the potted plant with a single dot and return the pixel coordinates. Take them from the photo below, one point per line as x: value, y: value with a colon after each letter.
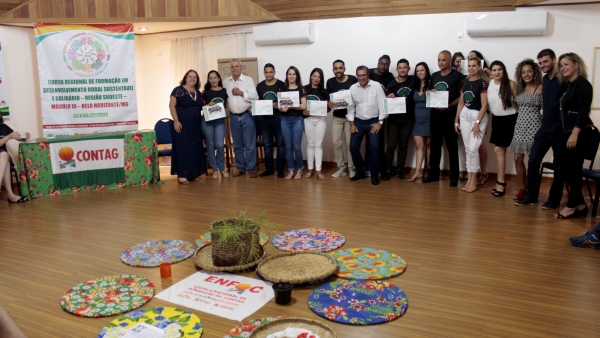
x: 236, y: 241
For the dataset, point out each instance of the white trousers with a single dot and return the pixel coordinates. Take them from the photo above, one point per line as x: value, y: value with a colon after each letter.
x: 340, y: 131
x: 314, y: 128
x: 472, y: 143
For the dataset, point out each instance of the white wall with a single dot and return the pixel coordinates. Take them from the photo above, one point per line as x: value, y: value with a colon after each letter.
x: 355, y: 40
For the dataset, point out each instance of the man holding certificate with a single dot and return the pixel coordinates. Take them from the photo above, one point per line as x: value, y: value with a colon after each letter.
x: 442, y: 117
x: 400, y: 121
x: 270, y: 125
x: 241, y: 91
x: 366, y: 116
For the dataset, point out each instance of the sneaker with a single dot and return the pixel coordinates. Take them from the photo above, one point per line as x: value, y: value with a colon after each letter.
x: 352, y: 172
x: 526, y: 200
x: 589, y: 240
x: 549, y: 205
x: 339, y: 173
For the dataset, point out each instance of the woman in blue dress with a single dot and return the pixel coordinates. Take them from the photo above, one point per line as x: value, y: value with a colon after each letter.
x: 421, y: 129
x: 188, y: 161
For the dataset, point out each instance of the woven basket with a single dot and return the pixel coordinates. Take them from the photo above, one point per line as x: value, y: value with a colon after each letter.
x: 275, y: 326
x: 233, y: 252
x: 203, y: 259
x: 297, y: 267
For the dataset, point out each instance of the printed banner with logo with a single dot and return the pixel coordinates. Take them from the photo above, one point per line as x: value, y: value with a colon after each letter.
x: 87, y: 78
x: 3, y: 96
x: 87, y: 162
x: 225, y: 295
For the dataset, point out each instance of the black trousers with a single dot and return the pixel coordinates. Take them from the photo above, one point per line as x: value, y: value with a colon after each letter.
x: 542, y: 142
x: 572, y: 165
x: 442, y: 128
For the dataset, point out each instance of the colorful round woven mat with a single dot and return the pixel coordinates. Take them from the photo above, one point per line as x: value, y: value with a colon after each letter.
x: 314, y: 239
x: 205, y: 239
x: 358, y: 302
x: 108, y: 296
x: 244, y: 329
x: 152, y: 253
x: 367, y: 263
x: 170, y: 319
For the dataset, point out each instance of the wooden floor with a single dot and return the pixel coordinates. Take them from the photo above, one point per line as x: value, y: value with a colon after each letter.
x: 478, y: 266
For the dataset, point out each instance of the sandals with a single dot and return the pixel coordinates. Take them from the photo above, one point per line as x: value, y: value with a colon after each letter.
x: 184, y: 181
x: 576, y: 214
x: 320, y: 175
x: 298, y: 175
x: 308, y: 174
x: 23, y: 199
x: 290, y: 175
x: 482, y: 179
x: 498, y: 193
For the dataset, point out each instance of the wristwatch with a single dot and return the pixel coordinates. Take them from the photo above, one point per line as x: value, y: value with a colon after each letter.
x: 381, y: 122
x: 477, y: 121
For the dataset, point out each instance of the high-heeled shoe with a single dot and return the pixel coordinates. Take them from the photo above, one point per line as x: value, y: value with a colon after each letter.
x: 298, y: 175
x: 498, y: 193
x: 23, y: 199
x: 290, y: 175
x: 576, y: 214
x: 519, y: 195
x: 415, y: 178
x: 215, y: 175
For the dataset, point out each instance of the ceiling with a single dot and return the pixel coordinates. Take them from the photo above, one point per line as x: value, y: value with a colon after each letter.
x: 178, y: 15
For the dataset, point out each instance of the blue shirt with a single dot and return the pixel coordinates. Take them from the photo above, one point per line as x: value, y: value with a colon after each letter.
x: 552, y: 90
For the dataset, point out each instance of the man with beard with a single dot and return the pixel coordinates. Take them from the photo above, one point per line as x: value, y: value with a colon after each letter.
x: 270, y: 126
x: 340, y: 128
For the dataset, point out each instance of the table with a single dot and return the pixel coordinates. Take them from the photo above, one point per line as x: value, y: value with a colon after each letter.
x: 35, y: 169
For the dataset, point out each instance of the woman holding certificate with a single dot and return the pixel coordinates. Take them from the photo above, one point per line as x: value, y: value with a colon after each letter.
x: 185, y: 104
x: 472, y: 109
x: 292, y: 103
x: 529, y: 102
x: 213, y: 125
x: 315, y: 123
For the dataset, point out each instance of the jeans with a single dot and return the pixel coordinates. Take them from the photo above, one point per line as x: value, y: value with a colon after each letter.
x: 340, y: 130
x: 243, y: 132
x: 542, y: 142
x: 314, y: 128
x: 380, y: 149
x: 214, y: 136
x: 270, y: 126
x: 364, y: 129
x: 572, y: 165
x: 292, y: 128
x: 399, y: 132
x: 442, y: 127
x: 472, y: 143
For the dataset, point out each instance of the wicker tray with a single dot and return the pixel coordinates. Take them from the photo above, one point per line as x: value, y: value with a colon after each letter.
x: 275, y: 326
x: 297, y: 267
x: 203, y: 259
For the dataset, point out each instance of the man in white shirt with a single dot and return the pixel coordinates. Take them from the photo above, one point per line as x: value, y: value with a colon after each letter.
x: 366, y: 116
x: 241, y: 91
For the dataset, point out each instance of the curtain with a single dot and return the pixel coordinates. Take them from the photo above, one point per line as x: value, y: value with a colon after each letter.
x: 201, y: 53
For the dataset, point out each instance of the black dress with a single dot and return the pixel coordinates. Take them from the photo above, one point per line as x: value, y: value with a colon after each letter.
x: 188, y: 160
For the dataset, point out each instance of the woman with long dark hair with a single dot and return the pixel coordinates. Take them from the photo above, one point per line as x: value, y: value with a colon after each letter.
x: 292, y: 124
x: 575, y: 106
x: 528, y: 77
x: 456, y: 59
x: 214, y: 131
x: 6, y: 134
x: 501, y: 100
x: 314, y: 126
x: 421, y: 128
x: 185, y: 104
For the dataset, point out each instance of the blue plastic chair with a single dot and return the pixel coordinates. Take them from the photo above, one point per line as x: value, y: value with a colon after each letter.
x: 163, y: 135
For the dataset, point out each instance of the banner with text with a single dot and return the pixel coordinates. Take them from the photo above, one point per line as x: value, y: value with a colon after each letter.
x: 87, y: 78
x: 3, y: 96
x: 221, y: 294
x: 87, y: 162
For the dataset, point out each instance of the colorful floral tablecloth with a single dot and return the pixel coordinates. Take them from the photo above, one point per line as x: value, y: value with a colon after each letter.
x: 358, y: 302
x: 108, y: 296
x: 204, y: 239
x: 152, y: 253
x: 313, y: 239
x: 176, y: 323
x: 35, y: 169
x: 367, y: 263
x: 245, y: 329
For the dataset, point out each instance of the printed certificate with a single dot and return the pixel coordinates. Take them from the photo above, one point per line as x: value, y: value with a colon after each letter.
x: 262, y: 107
x: 342, y: 99
x: 290, y: 99
x: 437, y: 99
x: 317, y: 108
x: 396, y: 105
x: 215, y: 112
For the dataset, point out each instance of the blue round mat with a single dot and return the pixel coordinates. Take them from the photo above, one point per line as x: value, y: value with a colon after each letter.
x: 358, y: 302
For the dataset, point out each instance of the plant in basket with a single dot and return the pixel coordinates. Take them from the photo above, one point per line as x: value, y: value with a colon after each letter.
x: 236, y: 241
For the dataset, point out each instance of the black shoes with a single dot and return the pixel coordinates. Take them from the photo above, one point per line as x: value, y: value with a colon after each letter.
x: 386, y: 176
x: 454, y: 182
x: 358, y: 176
x: 497, y: 193
x: 280, y: 174
x: 430, y: 179
x: 526, y: 200
x: 549, y: 205
x: 266, y: 173
x: 400, y: 174
x: 374, y: 180
x: 577, y: 214
x: 23, y: 199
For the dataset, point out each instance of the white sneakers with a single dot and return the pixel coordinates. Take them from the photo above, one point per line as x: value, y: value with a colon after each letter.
x: 339, y: 173
x: 352, y: 172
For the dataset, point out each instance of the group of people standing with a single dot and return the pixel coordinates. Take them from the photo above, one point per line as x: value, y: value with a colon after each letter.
x: 563, y: 94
